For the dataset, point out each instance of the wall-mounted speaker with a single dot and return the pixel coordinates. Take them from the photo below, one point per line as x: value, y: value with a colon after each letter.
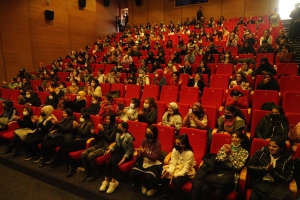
x: 106, y: 3
x: 49, y: 14
x: 138, y: 2
x: 82, y: 3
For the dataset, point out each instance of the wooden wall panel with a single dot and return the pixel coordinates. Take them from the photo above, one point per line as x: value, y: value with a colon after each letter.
x: 171, y: 13
x: 156, y: 12
x: 2, y: 63
x: 256, y: 7
x: 233, y: 8
x: 106, y: 18
x: 15, y: 36
x: 140, y: 14
x: 49, y: 39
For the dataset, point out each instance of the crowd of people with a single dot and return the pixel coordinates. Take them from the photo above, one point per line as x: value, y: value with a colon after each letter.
x: 41, y: 135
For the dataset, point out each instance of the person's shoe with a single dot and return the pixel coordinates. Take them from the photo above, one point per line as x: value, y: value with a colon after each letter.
x: 7, y: 150
x: 112, y: 187
x: 72, y: 171
x: 144, y: 190
x: 15, y: 154
x: 49, y: 162
x: 103, y: 186
x: 151, y: 192
x: 28, y: 157
x: 93, y: 177
x: 37, y: 159
x: 42, y: 165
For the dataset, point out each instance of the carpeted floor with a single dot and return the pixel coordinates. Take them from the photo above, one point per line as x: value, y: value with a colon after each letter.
x: 36, y: 180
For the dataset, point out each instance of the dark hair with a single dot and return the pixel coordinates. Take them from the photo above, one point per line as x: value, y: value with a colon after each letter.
x: 177, y: 74
x: 112, y: 117
x: 154, y: 131
x: 76, y: 81
x: 245, y: 144
x: 62, y: 83
x: 69, y: 112
x: 185, y: 140
x: 136, y: 101
x: 152, y: 103
x: 85, y: 115
x: 279, y: 141
x: 14, y: 79
x: 101, y: 70
x: 288, y: 47
x: 244, y: 78
x: 235, y: 111
x: 125, y: 125
x: 109, y: 98
x: 29, y: 110
x: 96, y: 82
x: 281, y: 112
x: 97, y: 98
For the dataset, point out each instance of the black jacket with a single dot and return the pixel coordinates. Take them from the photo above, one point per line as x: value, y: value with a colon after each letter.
x: 93, y: 109
x: 268, y: 128
x: 282, y: 173
x: 200, y: 84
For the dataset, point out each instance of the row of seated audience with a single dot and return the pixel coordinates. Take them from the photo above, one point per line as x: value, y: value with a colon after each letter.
x: 71, y: 135
x: 271, y: 168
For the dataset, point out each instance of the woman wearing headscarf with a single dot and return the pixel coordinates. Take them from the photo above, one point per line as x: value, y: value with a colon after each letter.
x: 26, y: 126
x: 56, y: 138
x: 159, y: 78
x: 78, y: 103
x: 43, y: 126
x: 197, y: 118
x: 264, y: 67
x: 143, y: 79
x: 172, y: 117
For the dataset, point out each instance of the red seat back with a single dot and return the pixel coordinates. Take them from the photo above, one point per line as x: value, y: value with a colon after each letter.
x: 218, y: 140
x: 290, y: 102
x: 166, y: 136
x: 133, y: 91
x: 289, y: 83
x: 213, y: 97
x: 150, y: 91
x: 219, y: 81
x: 169, y: 94
x: 257, y: 115
x: 119, y: 86
x: 262, y: 96
x: 189, y: 95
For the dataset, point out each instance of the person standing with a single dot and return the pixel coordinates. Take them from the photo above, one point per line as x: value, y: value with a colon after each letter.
x: 199, y: 13
x: 295, y: 23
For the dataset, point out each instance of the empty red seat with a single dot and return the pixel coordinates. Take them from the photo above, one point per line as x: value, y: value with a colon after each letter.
x: 5, y: 93
x: 212, y: 116
x: 161, y: 109
x: 150, y: 91
x: 183, y: 109
x: 213, y: 97
x: 219, y: 81
x: 105, y: 88
x: 290, y: 102
x: 120, y: 87
x: 63, y: 75
x: 262, y: 96
x: 169, y: 94
x: 108, y: 68
x: 166, y: 136
x: 43, y: 96
x: 225, y: 69
x: 14, y: 94
x: 287, y: 68
x: 133, y: 91
x: 189, y: 95
x: 289, y: 83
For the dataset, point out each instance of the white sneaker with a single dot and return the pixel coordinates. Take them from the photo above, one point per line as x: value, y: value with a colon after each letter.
x: 151, y: 192
x: 112, y: 187
x: 103, y: 186
x: 144, y: 190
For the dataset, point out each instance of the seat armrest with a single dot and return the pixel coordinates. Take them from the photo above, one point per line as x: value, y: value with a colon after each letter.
x: 293, y: 186
x: 243, y: 174
x: 90, y: 142
x: 167, y: 158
